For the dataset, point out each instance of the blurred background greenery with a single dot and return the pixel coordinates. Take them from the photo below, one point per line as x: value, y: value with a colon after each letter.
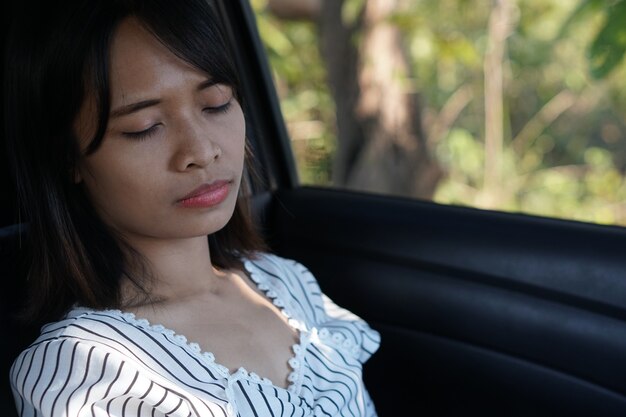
x: 562, y: 149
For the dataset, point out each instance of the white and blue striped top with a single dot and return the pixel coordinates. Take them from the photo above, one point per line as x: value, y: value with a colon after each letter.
x: 110, y: 363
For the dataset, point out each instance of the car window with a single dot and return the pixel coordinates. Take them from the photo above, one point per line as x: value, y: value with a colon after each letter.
x: 508, y: 105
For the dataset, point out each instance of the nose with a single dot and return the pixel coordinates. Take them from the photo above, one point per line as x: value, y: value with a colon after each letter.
x: 195, y: 147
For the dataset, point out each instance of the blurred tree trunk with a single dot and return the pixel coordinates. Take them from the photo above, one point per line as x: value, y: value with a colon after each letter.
x: 500, y: 21
x: 381, y: 143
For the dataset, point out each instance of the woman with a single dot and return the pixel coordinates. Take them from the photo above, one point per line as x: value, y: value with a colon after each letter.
x: 127, y: 133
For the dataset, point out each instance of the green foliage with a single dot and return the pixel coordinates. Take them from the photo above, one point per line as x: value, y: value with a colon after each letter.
x: 593, y: 192
x: 351, y: 10
x: 607, y: 50
x: 582, y: 12
x: 564, y: 147
x: 306, y: 102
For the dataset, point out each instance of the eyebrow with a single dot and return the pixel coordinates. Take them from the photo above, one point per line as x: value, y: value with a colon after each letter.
x: 206, y: 84
x: 140, y: 105
x: 132, y: 108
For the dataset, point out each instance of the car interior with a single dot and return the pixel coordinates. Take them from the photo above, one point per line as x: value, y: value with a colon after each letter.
x: 480, y: 312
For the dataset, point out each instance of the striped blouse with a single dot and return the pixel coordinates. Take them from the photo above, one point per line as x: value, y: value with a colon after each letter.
x: 110, y: 363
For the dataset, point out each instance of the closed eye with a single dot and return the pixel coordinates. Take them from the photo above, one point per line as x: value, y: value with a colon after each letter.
x: 143, y: 134
x: 219, y: 109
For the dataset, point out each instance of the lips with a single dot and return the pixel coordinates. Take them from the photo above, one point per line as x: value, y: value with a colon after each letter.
x: 206, y: 195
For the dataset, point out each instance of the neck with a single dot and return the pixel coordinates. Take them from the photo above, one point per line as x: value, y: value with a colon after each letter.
x: 177, y: 269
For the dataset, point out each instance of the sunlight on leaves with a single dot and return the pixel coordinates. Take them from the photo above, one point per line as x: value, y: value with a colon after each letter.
x: 572, y: 161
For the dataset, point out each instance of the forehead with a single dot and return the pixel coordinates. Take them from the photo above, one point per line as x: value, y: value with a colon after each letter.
x: 140, y: 62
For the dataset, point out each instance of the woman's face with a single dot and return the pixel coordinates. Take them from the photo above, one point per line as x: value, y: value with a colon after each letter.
x: 171, y: 161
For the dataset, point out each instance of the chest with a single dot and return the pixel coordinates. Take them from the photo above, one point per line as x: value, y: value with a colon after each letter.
x: 245, y: 330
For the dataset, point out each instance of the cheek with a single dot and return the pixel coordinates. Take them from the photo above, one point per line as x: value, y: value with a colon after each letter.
x: 236, y: 138
x: 119, y: 184
x: 124, y: 197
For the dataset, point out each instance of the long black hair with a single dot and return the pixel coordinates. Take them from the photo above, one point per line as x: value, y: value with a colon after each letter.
x: 58, y: 51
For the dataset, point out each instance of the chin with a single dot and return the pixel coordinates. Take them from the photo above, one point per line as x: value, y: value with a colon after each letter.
x: 216, y: 223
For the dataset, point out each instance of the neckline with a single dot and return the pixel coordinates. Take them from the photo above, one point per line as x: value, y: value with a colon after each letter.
x: 271, y: 293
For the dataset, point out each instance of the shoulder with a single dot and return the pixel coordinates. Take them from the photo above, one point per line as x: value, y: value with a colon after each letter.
x: 288, y: 280
x: 104, y: 327
x: 108, y: 356
x: 107, y: 333
x: 79, y: 328
x: 65, y: 354
x: 269, y: 268
x: 294, y: 283
x: 273, y: 263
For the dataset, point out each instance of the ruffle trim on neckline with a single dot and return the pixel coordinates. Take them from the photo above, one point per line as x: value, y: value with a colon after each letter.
x: 294, y: 378
x: 209, y: 357
x: 273, y: 294
x: 339, y: 341
x: 335, y: 339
